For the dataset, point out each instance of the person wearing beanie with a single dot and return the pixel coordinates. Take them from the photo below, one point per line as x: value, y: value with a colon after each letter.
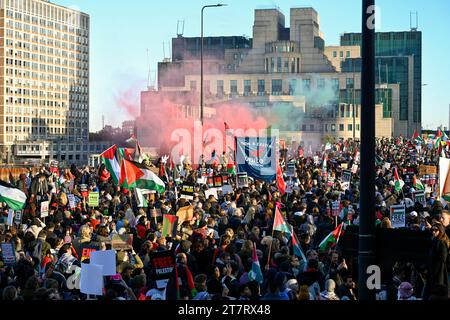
x: 405, y: 291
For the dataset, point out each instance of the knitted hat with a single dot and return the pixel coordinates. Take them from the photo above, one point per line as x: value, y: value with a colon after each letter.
x: 405, y: 290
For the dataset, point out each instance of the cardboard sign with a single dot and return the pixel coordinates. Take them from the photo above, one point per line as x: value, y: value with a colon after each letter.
x: 44, y: 209
x: 398, y: 216
x: 163, y: 263
x: 242, y: 180
x: 344, y: 166
x: 18, y: 217
x: 187, y: 191
x: 122, y: 242
x: 185, y: 214
x: 91, y: 279
x: 423, y: 170
x: 419, y: 197
x: 226, y: 189
x: 93, y: 199
x: 8, y: 254
x: 106, y: 259
x: 211, y: 192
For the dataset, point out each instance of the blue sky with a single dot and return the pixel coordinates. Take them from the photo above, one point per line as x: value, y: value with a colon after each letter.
x: 123, y: 31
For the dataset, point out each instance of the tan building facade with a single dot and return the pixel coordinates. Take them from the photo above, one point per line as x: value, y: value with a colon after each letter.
x: 282, y: 65
x: 44, y: 76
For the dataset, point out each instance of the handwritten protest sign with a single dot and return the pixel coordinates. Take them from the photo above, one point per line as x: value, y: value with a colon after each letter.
x: 185, y: 214
x: 93, y: 199
x: 211, y: 192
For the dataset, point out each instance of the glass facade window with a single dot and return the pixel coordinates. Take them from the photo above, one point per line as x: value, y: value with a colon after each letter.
x: 277, y: 86
x: 350, y: 83
x: 247, y: 87
x: 321, y: 83
x: 293, y: 86
x: 220, y: 87
x: 306, y: 84
x: 261, y: 87
x: 233, y: 87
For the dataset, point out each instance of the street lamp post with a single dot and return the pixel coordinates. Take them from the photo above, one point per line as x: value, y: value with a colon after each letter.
x: 201, y: 58
x: 367, y: 244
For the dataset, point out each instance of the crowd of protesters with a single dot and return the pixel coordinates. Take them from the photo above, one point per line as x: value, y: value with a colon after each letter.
x: 213, y: 251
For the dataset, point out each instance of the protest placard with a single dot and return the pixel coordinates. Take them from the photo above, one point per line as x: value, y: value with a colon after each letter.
x: 218, y: 181
x: 106, y: 259
x: 398, y: 216
x: 10, y: 220
x: 335, y: 205
x: 122, y: 242
x: 201, y: 180
x: 187, y: 191
x: 18, y: 217
x: 290, y: 171
x: 44, y: 209
x: 211, y: 192
x: 8, y: 254
x: 419, y: 197
x: 185, y: 214
x: 72, y: 203
x: 226, y: 189
x: 210, y: 182
x: 354, y: 168
x: 163, y: 263
x: 93, y: 199
x: 170, y: 224
x: 242, y: 180
x: 423, y: 170
x: 91, y: 279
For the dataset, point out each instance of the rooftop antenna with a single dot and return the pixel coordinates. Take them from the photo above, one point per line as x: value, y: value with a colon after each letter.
x: 164, y: 50
x: 180, y: 34
x: 149, y: 71
x: 103, y: 121
x: 413, y: 26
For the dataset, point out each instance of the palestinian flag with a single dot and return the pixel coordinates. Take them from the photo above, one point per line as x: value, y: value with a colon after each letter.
x: 416, y: 137
x: 418, y: 184
x: 397, y: 181
x: 296, y: 246
x: 13, y: 197
x: 255, y: 274
x: 231, y: 168
x: 332, y: 239
x: 438, y: 140
x: 170, y: 224
x: 281, y: 184
x: 136, y: 175
x: 112, y: 163
x: 140, y: 197
x: 279, y: 224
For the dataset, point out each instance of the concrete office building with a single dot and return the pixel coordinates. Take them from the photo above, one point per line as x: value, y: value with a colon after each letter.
x: 44, y: 81
x: 284, y: 65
